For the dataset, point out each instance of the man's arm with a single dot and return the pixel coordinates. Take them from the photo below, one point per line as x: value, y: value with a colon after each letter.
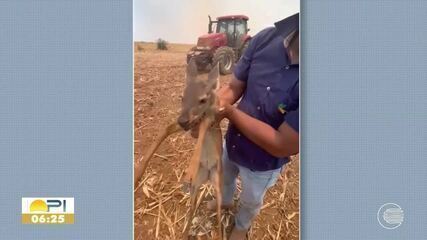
x: 283, y: 142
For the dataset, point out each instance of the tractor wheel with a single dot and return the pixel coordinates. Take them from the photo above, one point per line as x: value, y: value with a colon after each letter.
x: 226, y: 58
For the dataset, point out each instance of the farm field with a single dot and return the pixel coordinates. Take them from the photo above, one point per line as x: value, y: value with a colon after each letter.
x: 160, y: 204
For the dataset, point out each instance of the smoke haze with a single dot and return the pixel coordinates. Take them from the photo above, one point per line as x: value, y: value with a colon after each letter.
x: 182, y: 21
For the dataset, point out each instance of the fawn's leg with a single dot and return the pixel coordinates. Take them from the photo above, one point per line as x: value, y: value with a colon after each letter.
x: 218, y: 182
x: 218, y: 188
x: 228, y: 178
x: 140, y: 168
x: 193, y: 196
x: 193, y: 174
x: 194, y: 165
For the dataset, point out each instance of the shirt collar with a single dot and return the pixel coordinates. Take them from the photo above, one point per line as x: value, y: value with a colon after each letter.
x: 288, y: 25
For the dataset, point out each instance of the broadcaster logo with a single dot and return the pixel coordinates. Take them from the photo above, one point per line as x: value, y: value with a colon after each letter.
x: 57, y: 210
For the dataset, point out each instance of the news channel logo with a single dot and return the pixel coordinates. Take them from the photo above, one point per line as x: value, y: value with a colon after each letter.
x: 53, y: 210
x: 390, y: 216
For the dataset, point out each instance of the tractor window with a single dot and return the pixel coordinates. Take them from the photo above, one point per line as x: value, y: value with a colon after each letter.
x: 221, y: 27
x: 240, y: 27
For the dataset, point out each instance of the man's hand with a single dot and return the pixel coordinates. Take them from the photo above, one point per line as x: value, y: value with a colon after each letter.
x: 223, y: 111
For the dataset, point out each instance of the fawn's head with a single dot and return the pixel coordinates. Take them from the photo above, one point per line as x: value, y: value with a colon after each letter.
x: 199, y: 96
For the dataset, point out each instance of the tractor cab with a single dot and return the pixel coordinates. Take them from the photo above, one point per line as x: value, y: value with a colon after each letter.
x: 224, y: 44
x: 234, y: 27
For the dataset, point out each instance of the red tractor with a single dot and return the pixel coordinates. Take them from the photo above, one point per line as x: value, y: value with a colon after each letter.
x: 225, y: 43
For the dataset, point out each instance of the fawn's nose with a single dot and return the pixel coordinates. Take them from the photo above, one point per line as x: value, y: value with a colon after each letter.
x: 184, y: 122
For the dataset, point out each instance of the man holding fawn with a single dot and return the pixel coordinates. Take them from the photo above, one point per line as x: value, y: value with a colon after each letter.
x: 264, y: 126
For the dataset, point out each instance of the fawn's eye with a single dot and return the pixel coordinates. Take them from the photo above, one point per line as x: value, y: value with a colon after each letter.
x: 202, y: 101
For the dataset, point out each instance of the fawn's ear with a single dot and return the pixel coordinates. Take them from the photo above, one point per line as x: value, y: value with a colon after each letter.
x: 191, y: 70
x: 213, y: 78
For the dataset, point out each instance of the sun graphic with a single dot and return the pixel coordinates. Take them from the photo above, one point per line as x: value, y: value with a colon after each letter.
x: 38, y: 206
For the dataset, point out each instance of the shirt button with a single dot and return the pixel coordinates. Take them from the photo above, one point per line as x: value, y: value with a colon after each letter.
x: 259, y: 108
x: 287, y: 67
x: 238, y: 135
x: 234, y: 146
x: 268, y: 88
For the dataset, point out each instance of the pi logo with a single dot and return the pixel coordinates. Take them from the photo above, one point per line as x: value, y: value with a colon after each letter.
x: 40, y: 205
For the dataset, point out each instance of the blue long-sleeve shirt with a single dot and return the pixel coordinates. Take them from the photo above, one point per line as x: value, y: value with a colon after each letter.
x: 271, y: 94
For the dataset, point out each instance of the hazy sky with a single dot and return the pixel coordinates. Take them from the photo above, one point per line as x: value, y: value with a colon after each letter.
x: 182, y: 21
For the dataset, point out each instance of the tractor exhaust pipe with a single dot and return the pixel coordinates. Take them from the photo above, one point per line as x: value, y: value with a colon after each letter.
x: 210, y: 24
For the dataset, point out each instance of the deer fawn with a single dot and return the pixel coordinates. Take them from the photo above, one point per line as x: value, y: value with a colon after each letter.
x: 199, y: 105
